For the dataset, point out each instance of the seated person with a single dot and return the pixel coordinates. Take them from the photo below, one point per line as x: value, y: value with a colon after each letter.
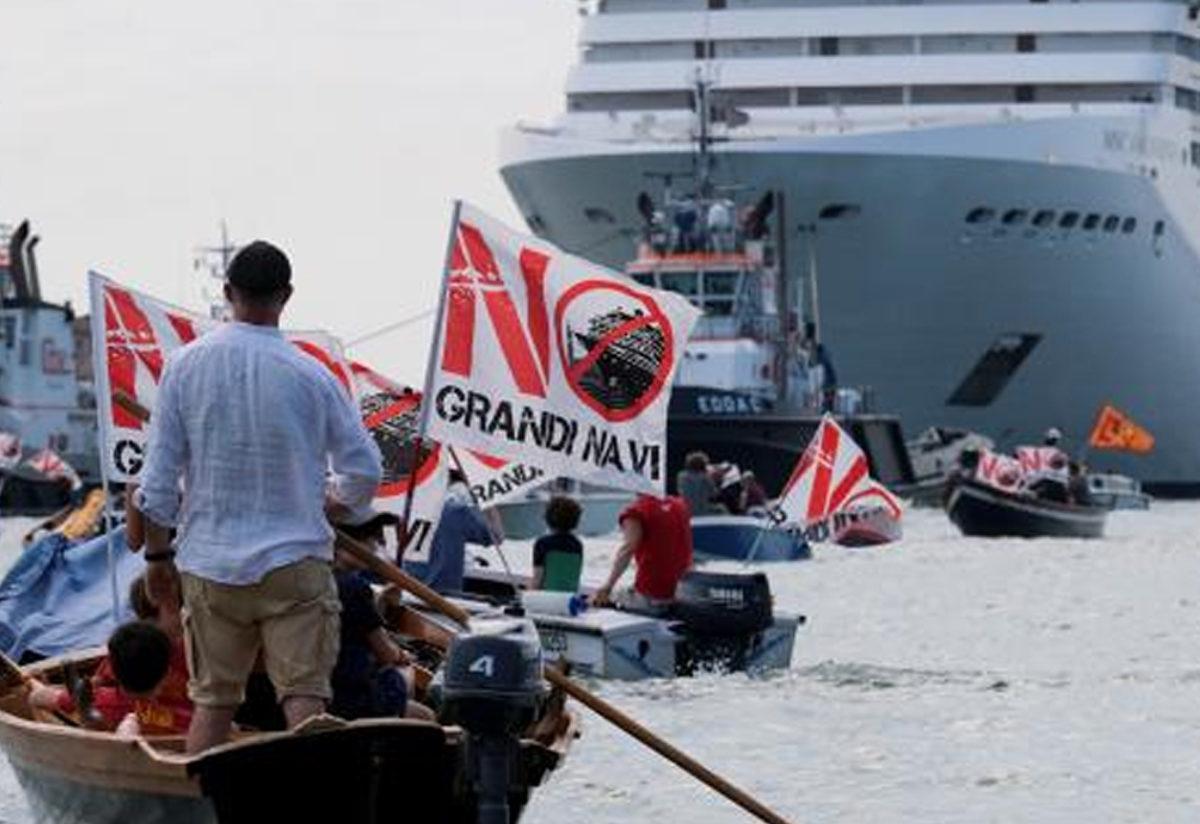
x: 696, y: 486
x: 373, y: 677
x: 657, y: 535
x: 558, y: 557
x: 148, y: 670
x: 754, y: 496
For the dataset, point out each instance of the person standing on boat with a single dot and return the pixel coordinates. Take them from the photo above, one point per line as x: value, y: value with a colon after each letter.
x: 461, y: 523
x: 252, y: 426
x: 657, y: 536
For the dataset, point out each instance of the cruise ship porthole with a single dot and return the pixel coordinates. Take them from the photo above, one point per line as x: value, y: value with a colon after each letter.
x: 1091, y: 221
x: 1129, y: 225
x: 1014, y: 216
x: 1111, y: 223
x: 981, y: 214
x: 1044, y: 218
x: 1069, y: 220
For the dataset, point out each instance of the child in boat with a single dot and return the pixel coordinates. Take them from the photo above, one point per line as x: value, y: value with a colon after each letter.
x: 373, y: 677
x: 558, y: 557
x: 148, y: 693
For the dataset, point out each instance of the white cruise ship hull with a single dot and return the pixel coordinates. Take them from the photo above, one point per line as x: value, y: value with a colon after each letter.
x: 912, y: 296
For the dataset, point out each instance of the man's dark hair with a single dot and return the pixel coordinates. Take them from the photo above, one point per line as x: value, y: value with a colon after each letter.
x: 259, y: 271
x: 562, y: 513
x: 140, y: 654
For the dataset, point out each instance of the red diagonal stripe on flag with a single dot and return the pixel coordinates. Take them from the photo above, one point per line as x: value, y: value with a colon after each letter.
x: 824, y: 473
x: 858, y: 471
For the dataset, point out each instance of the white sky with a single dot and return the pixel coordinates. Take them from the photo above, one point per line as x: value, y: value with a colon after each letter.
x: 339, y: 129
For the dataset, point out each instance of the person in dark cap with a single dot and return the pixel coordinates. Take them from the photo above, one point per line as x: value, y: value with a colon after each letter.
x: 251, y: 426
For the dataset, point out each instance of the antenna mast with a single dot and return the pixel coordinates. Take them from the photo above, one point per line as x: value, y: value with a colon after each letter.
x: 214, y: 261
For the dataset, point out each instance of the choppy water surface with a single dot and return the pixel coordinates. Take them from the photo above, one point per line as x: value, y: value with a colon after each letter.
x: 945, y: 679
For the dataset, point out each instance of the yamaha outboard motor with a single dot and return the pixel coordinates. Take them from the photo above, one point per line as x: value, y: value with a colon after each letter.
x: 493, y: 688
x: 723, y: 615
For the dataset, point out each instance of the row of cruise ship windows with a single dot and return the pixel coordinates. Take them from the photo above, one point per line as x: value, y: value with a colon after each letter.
x: 1082, y: 42
x: 1067, y: 93
x: 1050, y: 218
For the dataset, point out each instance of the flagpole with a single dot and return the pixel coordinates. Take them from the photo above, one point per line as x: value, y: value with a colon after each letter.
x: 439, y: 321
x: 1087, y: 445
x: 104, y: 415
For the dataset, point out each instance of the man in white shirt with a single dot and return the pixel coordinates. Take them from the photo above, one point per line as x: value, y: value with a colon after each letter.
x: 251, y: 426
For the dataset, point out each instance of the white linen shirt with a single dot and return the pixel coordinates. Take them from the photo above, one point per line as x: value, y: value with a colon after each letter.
x: 252, y: 425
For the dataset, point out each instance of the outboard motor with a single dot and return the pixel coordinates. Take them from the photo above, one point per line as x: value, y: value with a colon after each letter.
x: 494, y: 689
x: 723, y: 615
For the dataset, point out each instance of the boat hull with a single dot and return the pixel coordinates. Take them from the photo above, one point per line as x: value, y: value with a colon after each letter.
x: 982, y: 511
x: 57, y: 799
x: 874, y: 528
x: 745, y: 538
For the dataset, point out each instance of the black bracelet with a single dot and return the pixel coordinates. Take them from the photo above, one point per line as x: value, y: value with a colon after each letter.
x: 165, y: 555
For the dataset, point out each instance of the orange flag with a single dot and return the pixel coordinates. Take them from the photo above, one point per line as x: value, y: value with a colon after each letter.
x: 1115, y: 430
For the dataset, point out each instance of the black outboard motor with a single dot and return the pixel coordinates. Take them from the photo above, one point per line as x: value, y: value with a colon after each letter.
x: 494, y: 689
x: 723, y: 615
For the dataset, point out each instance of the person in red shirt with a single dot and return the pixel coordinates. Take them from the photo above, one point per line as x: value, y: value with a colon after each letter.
x: 148, y: 694
x: 657, y: 536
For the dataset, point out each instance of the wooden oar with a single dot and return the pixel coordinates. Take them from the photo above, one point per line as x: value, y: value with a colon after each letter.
x: 390, y: 572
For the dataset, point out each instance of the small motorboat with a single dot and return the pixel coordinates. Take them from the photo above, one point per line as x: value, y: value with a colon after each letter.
x: 980, y: 509
x: 746, y: 538
x: 353, y: 772
x: 722, y: 622
x: 866, y: 527
x: 1113, y: 491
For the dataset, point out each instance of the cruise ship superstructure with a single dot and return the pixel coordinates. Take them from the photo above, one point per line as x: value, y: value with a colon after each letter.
x: 998, y: 201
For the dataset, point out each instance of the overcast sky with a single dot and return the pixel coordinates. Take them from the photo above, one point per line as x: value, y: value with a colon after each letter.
x: 340, y: 129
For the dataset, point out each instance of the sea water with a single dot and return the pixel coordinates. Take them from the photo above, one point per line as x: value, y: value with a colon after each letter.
x: 944, y: 679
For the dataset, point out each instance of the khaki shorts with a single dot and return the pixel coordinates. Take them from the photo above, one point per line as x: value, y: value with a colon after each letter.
x: 291, y: 615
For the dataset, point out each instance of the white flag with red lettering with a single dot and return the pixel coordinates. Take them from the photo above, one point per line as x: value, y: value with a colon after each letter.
x: 132, y: 336
x: 1000, y: 471
x: 833, y: 476
x: 544, y: 357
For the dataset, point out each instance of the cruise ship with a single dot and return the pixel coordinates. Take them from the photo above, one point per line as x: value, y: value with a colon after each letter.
x: 997, y: 202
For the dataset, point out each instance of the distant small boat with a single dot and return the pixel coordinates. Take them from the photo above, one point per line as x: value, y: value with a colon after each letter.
x: 979, y: 509
x: 871, y: 527
x: 746, y: 538
x: 1113, y: 491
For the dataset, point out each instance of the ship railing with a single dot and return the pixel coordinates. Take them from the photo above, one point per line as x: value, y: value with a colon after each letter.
x: 673, y: 126
x: 840, y: 400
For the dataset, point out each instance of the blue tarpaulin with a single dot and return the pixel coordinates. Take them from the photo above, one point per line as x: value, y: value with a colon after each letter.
x: 57, y: 597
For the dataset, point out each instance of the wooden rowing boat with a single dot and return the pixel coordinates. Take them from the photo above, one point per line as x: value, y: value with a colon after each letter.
x: 355, y: 772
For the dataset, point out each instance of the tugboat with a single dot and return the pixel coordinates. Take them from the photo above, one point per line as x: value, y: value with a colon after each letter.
x: 755, y: 376
x: 46, y: 402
